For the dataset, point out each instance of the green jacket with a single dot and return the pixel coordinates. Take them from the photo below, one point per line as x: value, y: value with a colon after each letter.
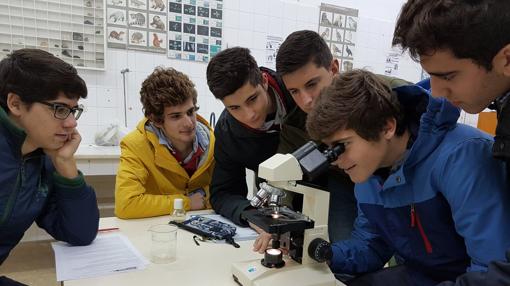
x: 293, y: 133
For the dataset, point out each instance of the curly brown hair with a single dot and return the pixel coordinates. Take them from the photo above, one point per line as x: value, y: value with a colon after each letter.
x: 165, y: 87
x: 357, y: 100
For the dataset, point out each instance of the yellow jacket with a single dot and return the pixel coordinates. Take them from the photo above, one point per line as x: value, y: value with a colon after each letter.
x: 149, y: 177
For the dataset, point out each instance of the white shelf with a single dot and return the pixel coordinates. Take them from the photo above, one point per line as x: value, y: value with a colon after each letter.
x: 69, y: 29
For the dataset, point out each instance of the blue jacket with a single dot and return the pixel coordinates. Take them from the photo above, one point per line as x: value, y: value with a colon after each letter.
x: 445, y: 210
x: 31, y: 190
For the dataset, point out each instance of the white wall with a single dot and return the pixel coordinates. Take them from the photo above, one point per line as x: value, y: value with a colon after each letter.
x: 105, y: 103
x: 246, y: 23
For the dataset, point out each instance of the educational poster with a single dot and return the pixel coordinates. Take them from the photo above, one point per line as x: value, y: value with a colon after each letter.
x: 137, y: 24
x: 272, y: 45
x: 195, y: 29
x: 392, y: 62
x: 338, y: 26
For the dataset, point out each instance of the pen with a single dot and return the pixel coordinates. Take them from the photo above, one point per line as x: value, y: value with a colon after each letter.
x: 107, y: 229
x: 124, y: 269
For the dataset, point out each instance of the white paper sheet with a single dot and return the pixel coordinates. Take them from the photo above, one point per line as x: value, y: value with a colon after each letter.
x: 108, y: 254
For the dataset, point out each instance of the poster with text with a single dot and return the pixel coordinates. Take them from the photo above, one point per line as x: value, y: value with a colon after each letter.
x: 338, y: 27
x: 195, y: 29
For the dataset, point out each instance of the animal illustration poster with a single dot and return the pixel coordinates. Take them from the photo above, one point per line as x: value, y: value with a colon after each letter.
x: 338, y: 27
x: 391, y: 65
x: 195, y: 29
x: 272, y: 45
x: 137, y: 24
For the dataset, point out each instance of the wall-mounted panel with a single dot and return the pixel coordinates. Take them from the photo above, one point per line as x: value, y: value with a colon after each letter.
x: 72, y: 30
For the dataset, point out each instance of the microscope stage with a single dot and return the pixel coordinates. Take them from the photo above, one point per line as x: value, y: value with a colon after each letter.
x: 286, y: 221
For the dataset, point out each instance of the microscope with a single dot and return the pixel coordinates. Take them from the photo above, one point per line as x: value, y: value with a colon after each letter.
x: 304, y: 235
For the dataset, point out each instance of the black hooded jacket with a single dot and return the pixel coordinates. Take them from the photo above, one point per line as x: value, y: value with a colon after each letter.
x: 239, y: 148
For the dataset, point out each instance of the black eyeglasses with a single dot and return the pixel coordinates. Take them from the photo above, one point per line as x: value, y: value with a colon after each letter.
x: 62, y: 111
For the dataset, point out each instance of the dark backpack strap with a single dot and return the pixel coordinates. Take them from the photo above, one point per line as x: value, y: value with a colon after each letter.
x: 230, y: 240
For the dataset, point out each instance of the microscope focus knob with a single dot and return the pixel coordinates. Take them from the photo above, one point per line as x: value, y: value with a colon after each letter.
x: 320, y: 250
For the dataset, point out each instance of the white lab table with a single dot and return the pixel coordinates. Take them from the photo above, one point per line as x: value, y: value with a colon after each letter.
x: 207, y: 264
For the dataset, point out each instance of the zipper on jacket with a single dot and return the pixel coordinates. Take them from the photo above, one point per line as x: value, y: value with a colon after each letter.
x: 13, y: 195
x: 415, y: 221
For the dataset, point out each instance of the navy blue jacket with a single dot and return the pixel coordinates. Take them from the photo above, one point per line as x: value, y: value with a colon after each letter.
x: 442, y: 211
x: 31, y: 190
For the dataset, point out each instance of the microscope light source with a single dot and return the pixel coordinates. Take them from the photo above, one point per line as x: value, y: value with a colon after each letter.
x: 273, y: 258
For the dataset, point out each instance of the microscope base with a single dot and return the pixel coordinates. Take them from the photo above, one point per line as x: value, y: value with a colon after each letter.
x: 252, y: 273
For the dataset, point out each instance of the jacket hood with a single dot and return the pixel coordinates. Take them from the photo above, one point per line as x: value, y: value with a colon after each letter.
x: 436, y: 117
x: 167, y: 161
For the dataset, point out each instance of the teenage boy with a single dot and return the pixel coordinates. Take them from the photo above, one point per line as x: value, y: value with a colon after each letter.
x: 248, y: 129
x: 39, y: 178
x: 306, y: 65
x: 428, y: 189
x: 469, y: 64
x: 170, y: 153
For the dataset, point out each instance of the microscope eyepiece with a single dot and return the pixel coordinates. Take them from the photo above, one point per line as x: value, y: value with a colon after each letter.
x: 332, y: 153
